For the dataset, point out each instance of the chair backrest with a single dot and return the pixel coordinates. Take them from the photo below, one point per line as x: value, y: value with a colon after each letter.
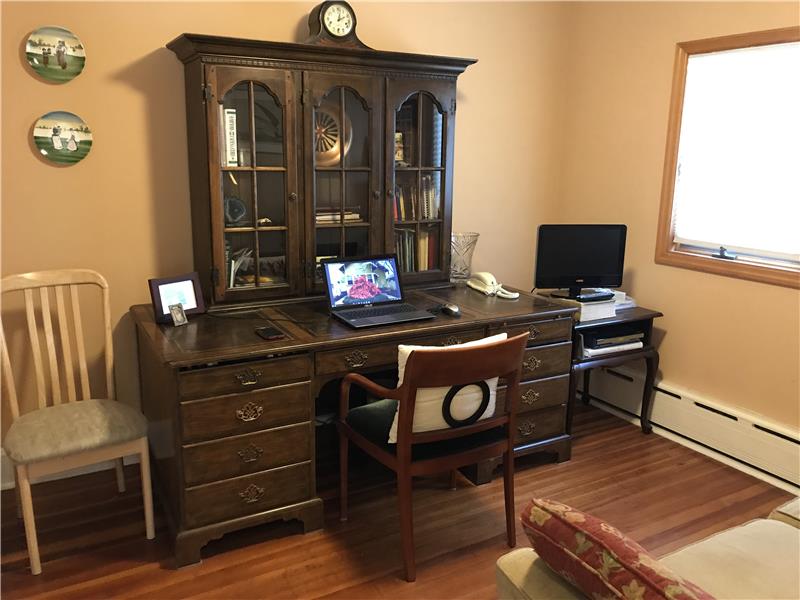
x: 57, y: 360
x: 458, y: 367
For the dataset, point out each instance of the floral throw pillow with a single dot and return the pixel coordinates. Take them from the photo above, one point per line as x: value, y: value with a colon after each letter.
x: 599, y: 560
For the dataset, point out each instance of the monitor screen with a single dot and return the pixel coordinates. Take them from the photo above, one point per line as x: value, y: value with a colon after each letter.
x: 364, y: 281
x: 575, y: 256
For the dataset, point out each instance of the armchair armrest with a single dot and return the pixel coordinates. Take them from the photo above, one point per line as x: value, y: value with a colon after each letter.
x: 366, y: 384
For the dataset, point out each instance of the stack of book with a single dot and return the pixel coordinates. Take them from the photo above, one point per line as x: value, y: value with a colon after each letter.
x: 430, y: 210
x: 405, y: 244
x: 598, y: 344
x: 405, y: 203
x: 332, y: 216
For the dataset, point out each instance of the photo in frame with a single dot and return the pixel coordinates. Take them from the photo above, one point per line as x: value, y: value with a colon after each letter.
x: 182, y: 289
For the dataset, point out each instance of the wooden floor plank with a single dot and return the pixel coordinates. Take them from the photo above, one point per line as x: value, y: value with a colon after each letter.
x: 660, y: 493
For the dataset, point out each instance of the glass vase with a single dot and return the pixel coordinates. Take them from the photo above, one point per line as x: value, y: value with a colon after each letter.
x: 462, y: 246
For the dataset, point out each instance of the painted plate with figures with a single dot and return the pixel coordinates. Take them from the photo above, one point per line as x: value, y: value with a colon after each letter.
x: 55, y: 54
x: 62, y: 137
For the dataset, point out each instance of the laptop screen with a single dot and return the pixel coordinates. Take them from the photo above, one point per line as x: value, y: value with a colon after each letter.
x: 364, y: 281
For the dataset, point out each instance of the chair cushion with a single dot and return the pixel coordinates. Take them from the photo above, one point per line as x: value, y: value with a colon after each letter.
x: 789, y: 513
x: 599, y: 560
x: 428, y: 405
x: 65, y: 429
x: 373, y: 421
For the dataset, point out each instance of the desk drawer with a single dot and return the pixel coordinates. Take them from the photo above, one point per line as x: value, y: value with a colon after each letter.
x: 540, y: 425
x: 546, y: 361
x: 246, y: 495
x: 539, y: 332
x: 535, y: 395
x: 376, y: 355
x: 243, y: 377
x: 245, y: 454
x: 212, y: 418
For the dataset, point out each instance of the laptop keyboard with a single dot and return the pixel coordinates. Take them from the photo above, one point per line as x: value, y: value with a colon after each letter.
x: 379, y: 311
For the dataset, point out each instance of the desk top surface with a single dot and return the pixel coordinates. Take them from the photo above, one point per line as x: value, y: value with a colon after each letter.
x: 230, y: 335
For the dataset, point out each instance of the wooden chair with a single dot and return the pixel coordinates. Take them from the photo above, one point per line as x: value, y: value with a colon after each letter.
x: 72, y: 429
x: 442, y: 450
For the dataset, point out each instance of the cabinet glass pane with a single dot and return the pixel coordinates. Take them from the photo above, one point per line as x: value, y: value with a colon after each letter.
x: 405, y: 246
x: 431, y: 131
x: 405, y: 137
x: 271, y: 193
x: 268, y: 118
x: 328, y: 131
x: 271, y: 258
x: 237, y: 198
x: 356, y: 241
x: 428, y: 247
x: 328, y: 245
x: 405, y: 196
x: 240, y: 259
x: 356, y: 200
x: 430, y: 195
x: 356, y: 124
x: 235, y: 127
x: 329, y: 197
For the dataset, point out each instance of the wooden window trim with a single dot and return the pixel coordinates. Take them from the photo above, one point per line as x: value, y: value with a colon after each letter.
x: 667, y: 252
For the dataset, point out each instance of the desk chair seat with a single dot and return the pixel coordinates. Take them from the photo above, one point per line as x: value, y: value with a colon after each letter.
x: 64, y: 429
x: 374, y: 420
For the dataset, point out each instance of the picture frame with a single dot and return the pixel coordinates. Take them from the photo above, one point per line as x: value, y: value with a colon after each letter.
x: 181, y: 289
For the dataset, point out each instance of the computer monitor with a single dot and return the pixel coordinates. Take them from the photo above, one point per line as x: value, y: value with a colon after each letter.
x: 578, y: 256
x: 372, y: 280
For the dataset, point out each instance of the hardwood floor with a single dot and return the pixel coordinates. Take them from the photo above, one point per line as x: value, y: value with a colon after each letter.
x: 93, y: 546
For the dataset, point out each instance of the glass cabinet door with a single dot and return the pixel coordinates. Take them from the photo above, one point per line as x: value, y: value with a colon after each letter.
x: 418, y: 178
x: 344, y: 199
x: 255, y: 205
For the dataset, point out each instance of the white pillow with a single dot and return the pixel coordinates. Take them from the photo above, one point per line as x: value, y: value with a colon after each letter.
x: 428, y: 407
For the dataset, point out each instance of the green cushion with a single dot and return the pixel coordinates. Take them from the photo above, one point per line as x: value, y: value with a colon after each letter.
x: 374, y: 420
x: 73, y: 427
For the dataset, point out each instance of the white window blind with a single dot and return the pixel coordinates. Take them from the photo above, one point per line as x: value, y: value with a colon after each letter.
x: 738, y: 176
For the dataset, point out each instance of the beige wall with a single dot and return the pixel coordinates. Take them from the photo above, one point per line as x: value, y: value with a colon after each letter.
x: 732, y: 341
x: 563, y: 118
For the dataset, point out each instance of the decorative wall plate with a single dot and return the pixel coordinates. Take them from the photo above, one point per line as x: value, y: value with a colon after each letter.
x: 55, y: 54
x: 62, y: 137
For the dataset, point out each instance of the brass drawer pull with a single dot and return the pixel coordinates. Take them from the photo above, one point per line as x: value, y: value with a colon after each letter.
x: 534, y: 332
x: 356, y: 359
x: 252, y: 493
x: 250, y: 454
x: 249, y: 412
x: 527, y: 428
x: 248, y: 376
x: 530, y: 397
x: 531, y: 364
x: 452, y: 341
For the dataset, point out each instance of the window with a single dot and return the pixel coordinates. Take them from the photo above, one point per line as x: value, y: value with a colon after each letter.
x: 730, y: 200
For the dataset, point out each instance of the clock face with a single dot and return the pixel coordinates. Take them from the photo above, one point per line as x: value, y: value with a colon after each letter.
x: 338, y: 20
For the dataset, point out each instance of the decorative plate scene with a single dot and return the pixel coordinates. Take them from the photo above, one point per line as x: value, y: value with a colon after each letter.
x: 55, y: 54
x: 62, y: 137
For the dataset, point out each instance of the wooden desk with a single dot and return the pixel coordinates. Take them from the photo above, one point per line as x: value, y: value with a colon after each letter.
x: 632, y: 319
x: 232, y: 416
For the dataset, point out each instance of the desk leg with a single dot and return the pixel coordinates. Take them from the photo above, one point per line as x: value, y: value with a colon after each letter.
x: 573, y: 378
x: 585, y: 394
x: 647, y: 396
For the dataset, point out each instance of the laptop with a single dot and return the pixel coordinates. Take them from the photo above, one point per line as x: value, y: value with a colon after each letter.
x: 366, y: 292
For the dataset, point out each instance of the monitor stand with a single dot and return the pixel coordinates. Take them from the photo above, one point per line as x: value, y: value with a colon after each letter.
x: 584, y: 294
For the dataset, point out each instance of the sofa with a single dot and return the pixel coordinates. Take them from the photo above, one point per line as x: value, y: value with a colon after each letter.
x: 760, y: 559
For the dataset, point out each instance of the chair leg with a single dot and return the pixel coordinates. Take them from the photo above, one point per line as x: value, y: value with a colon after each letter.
x: 19, y: 497
x: 147, y: 490
x: 508, y: 489
x: 120, y: 475
x: 453, y: 479
x: 406, y: 525
x: 27, y: 514
x: 344, y: 445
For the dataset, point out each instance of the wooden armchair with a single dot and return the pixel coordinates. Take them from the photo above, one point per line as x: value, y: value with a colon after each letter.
x: 71, y: 427
x: 465, y: 442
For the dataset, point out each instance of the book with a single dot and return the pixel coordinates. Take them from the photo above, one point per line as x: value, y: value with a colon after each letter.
x: 422, y: 250
x: 590, y: 311
x: 591, y: 352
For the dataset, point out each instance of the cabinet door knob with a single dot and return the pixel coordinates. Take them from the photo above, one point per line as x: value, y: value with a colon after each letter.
x: 531, y: 364
x: 530, y: 397
x: 249, y: 412
x: 250, y: 453
x: 293, y: 197
x: 534, y: 332
x: 376, y: 194
x: 527, y: 428
x: 248, y: 377
x: 356, y: 359
x: 252, y: 493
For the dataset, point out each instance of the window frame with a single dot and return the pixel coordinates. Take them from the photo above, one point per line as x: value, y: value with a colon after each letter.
x: 667, y: 251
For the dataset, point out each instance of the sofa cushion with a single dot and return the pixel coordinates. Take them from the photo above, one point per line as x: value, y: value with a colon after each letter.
x: 788, y: 513
x: 522, y: 575
x: 757, y: 560
x: 428, y: 405
x: 64, y: 429
x: 598, y: 559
